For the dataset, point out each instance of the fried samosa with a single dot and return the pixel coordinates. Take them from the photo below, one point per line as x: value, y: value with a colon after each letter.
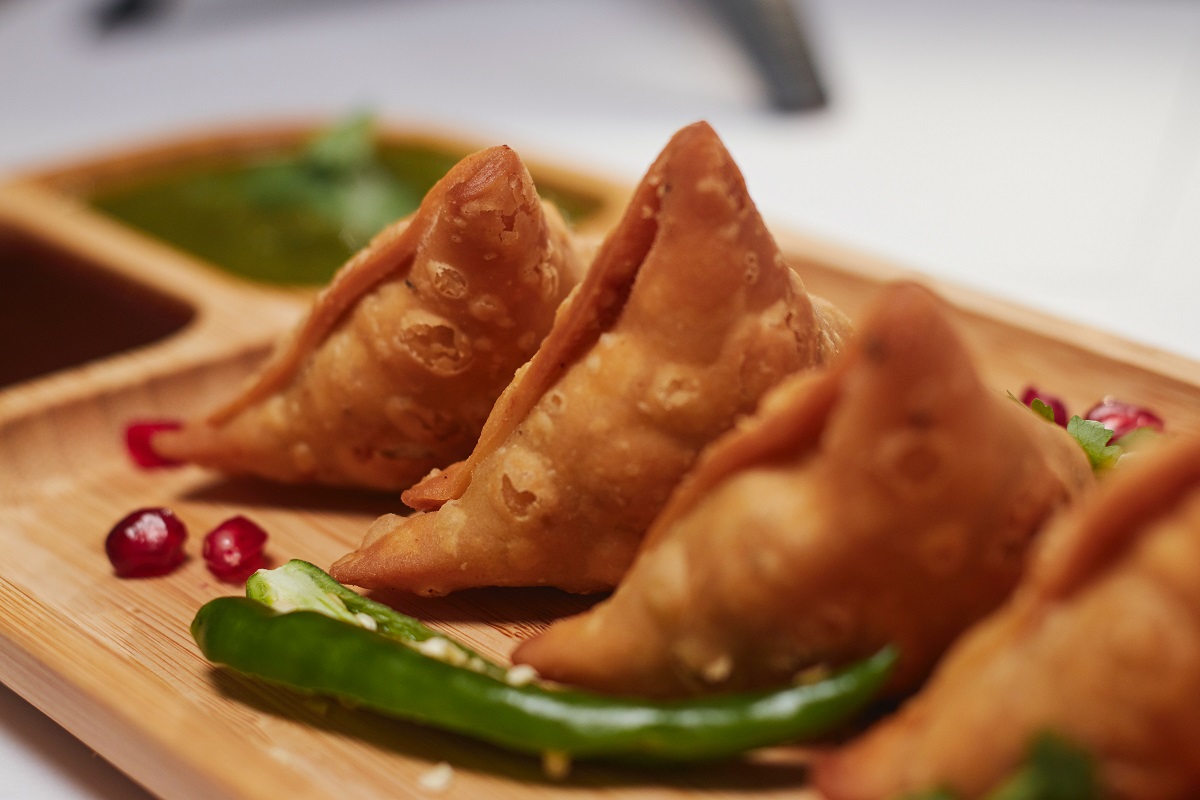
x: 1099, y: 647
x: 688, y: 314
x: 888, y: 499
x: 402, y: 356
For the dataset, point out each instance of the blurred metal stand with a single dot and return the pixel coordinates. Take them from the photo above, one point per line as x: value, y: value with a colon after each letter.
x: 116, y: 16
x: 112, y: 15
x: 773, y: 35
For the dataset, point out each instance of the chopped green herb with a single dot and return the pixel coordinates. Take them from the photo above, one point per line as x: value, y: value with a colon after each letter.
x: 933, y: 794
x: 345, y: 147
x: 1043, y: 409
x: 1093, y: 437
x: 1054, y: 769
x: 340, y: 179
x: 1140, y: 439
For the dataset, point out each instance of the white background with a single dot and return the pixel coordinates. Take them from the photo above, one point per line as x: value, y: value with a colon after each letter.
x: 1047, y: 151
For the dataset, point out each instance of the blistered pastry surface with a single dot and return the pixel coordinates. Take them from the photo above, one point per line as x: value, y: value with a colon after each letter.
x: 402, y: 357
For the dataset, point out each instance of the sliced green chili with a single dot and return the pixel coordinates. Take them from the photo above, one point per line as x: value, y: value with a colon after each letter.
x: 385, y: 670
x: 301, y: 586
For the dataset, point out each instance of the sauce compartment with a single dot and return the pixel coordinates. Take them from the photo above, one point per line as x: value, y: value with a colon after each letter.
x: 267, y: 206
x: 60, y: 310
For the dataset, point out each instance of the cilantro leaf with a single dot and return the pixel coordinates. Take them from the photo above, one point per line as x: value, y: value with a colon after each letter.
x: 346, y: 147
x: 1042, y: 408
x: 337, y: 180
x: 1093, y: 437
x: 1054, y: 769
x: 1140, y: 439
x: 1037, y: 405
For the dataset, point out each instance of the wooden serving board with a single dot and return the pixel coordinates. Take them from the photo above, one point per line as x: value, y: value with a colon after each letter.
x: 112, y: 660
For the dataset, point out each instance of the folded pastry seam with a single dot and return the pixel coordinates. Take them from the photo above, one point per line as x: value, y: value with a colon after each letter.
x: 887, y: 498
x: 398, y: 363
x: 688, y: 315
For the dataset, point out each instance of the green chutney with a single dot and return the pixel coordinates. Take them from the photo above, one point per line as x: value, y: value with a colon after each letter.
x: 292, y: 220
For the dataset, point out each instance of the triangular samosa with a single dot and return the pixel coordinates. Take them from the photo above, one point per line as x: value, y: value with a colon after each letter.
x: 1098, y: 651
x: 396, y: 367
x: 687, y: 316
x: 888, y: 499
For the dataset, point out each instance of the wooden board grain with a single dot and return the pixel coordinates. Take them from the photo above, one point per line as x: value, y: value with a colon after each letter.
x: 112, y: 660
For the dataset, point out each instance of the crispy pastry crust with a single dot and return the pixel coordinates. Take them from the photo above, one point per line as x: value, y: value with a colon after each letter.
x: 687, y: 316
x: 402, y: 356
x: 1100, y: 645
x: 887, y: 499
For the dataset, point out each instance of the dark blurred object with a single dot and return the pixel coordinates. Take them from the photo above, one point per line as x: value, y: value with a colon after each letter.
x: 772, y: 33
x: 112, y: 15
x: 192, y: 16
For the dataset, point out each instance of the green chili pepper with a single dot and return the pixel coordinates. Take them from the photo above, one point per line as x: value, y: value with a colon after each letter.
x: 301, y: 586
x: 381, y: 671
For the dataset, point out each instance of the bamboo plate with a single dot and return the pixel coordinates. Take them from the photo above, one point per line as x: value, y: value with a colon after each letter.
x: 112, y: 660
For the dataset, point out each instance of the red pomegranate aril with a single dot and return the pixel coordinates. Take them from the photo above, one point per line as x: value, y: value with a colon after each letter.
x: 1121, y: 418
x: 234, y: 549
x: 1059, y: 408
x: 145, y: 543
x: 138, y: 442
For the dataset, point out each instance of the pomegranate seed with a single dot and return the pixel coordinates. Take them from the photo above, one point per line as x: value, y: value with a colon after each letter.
x: 147, y: 542
x: 1121, y: 418
x: 138, y: 437
x: 1056, y: 405
x: 234, y: 549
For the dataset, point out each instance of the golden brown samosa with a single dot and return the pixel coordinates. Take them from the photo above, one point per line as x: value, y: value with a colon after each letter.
x: 1099, y: 646
x: 395, y: 369
x: 687, y: 316
x: 888, y: 499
